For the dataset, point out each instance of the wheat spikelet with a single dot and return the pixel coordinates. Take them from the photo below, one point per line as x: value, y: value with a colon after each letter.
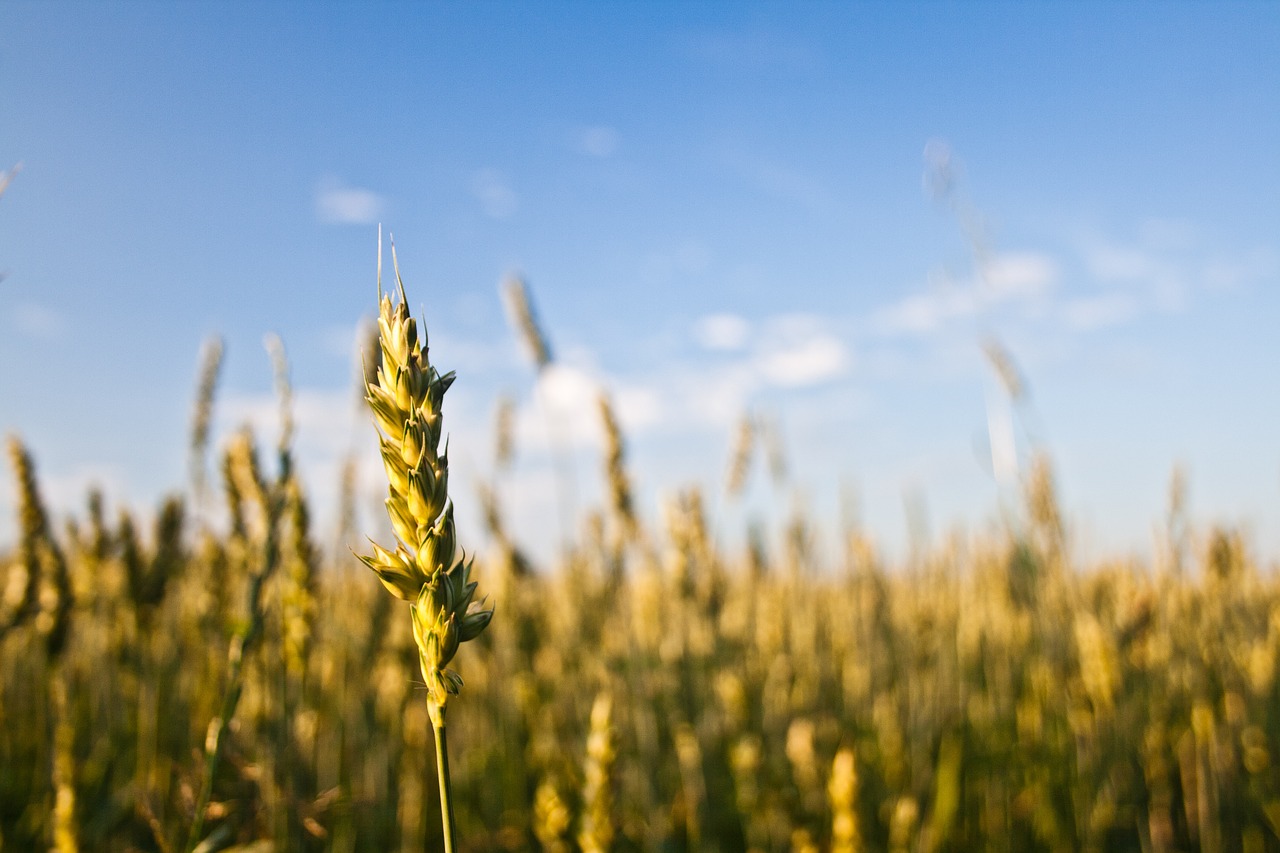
x: 804, y: 764
x: 597, y: 832
x: 802, y: 841
x: 300, y: 562
x: 551, y: 818
x: 1042, y: 505
x: 621, y: 503
x: 22, y: 585
x: 519, y: 305
x: 740, y: 455
x: 1006, y: 370
x: 150, y: 577
x: 423, y: 566
x: 47, y: 594
x: 843, y: 791
x: 504, y: 433
x: 202, y: 412
x: 6, y: 177
x: 774, y: 449
x: 48, y: 597
x: 284, y: 394
x: 1176, y: 526
x: 693, y: 787
x: 902, y: 825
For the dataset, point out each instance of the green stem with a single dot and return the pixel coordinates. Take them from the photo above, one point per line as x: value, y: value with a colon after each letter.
x: 442, y: 765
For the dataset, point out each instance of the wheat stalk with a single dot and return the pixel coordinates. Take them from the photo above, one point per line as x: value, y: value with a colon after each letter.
x: 202, y: 415
x: 515, y: 295
x: 423, y: 567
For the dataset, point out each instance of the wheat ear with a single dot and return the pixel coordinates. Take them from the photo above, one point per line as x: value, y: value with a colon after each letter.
x: 423, y: 567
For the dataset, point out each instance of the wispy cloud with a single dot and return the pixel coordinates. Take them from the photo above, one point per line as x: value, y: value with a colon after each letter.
x: 727, y: 332
x: 1234, y: 272
x: 1164, y: 266
x: 1014, y: 278
x: 495, y: 194
x: 753, y: 47
x: 564, y: 407
x: 1018, y: 275
x: 1168, y: 263
x: 784, y: 181
x: 798, y: 350
x: 599, y: 141
x: 337, y: 203
x: 1096, y: 312
x: 691, y: 391
x: 40, y: 322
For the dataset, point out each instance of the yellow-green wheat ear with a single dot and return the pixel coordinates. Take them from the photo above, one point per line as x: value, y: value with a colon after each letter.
x: 421, y: 566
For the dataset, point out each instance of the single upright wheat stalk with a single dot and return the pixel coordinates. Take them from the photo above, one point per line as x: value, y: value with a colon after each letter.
x: 202, y: 416
x: 621, y: 503
x: 423, y: 567
x: 519, y: 305
x: 744, y: 439
x: 48, y: 596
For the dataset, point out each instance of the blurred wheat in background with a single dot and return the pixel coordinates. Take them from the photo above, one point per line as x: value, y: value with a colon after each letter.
x: 228, y: 681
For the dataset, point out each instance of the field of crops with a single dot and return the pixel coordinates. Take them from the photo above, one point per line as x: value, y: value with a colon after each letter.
x: 249, y: 685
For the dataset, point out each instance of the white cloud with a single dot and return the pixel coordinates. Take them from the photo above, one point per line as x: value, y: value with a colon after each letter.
x: 496, y: 197
x: 1229, y: 273
x: 345, y: 205
x: 1167, y: 265
x: 599, y: 141
x: 798, y: 350
x: 1019, y: 275
x: 1114, y: 263
x: 38, y: 321
x: 782, y: 180
x: 806, y: 363
x: 1169, y: 234
x: 688, y: 258
x: 327, y: 423
x: 761, y: 48
x: 1095, y: 312
x: 722, y: 332
x: 688, y: 397
x: 921, y: 313
x: 571, y: 393
x: 1013, y: 278
x: 638, y: 408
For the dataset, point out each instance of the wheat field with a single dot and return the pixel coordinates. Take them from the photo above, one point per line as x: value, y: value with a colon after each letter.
x: 247, y: 685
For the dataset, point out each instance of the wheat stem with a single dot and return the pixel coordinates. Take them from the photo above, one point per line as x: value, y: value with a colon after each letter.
x: 442, y: 769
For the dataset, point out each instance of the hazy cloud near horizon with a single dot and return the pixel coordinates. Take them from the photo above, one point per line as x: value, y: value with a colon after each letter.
x: 340, y: 204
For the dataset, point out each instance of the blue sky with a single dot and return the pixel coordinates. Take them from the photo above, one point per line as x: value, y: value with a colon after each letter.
x: 717, y: 206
